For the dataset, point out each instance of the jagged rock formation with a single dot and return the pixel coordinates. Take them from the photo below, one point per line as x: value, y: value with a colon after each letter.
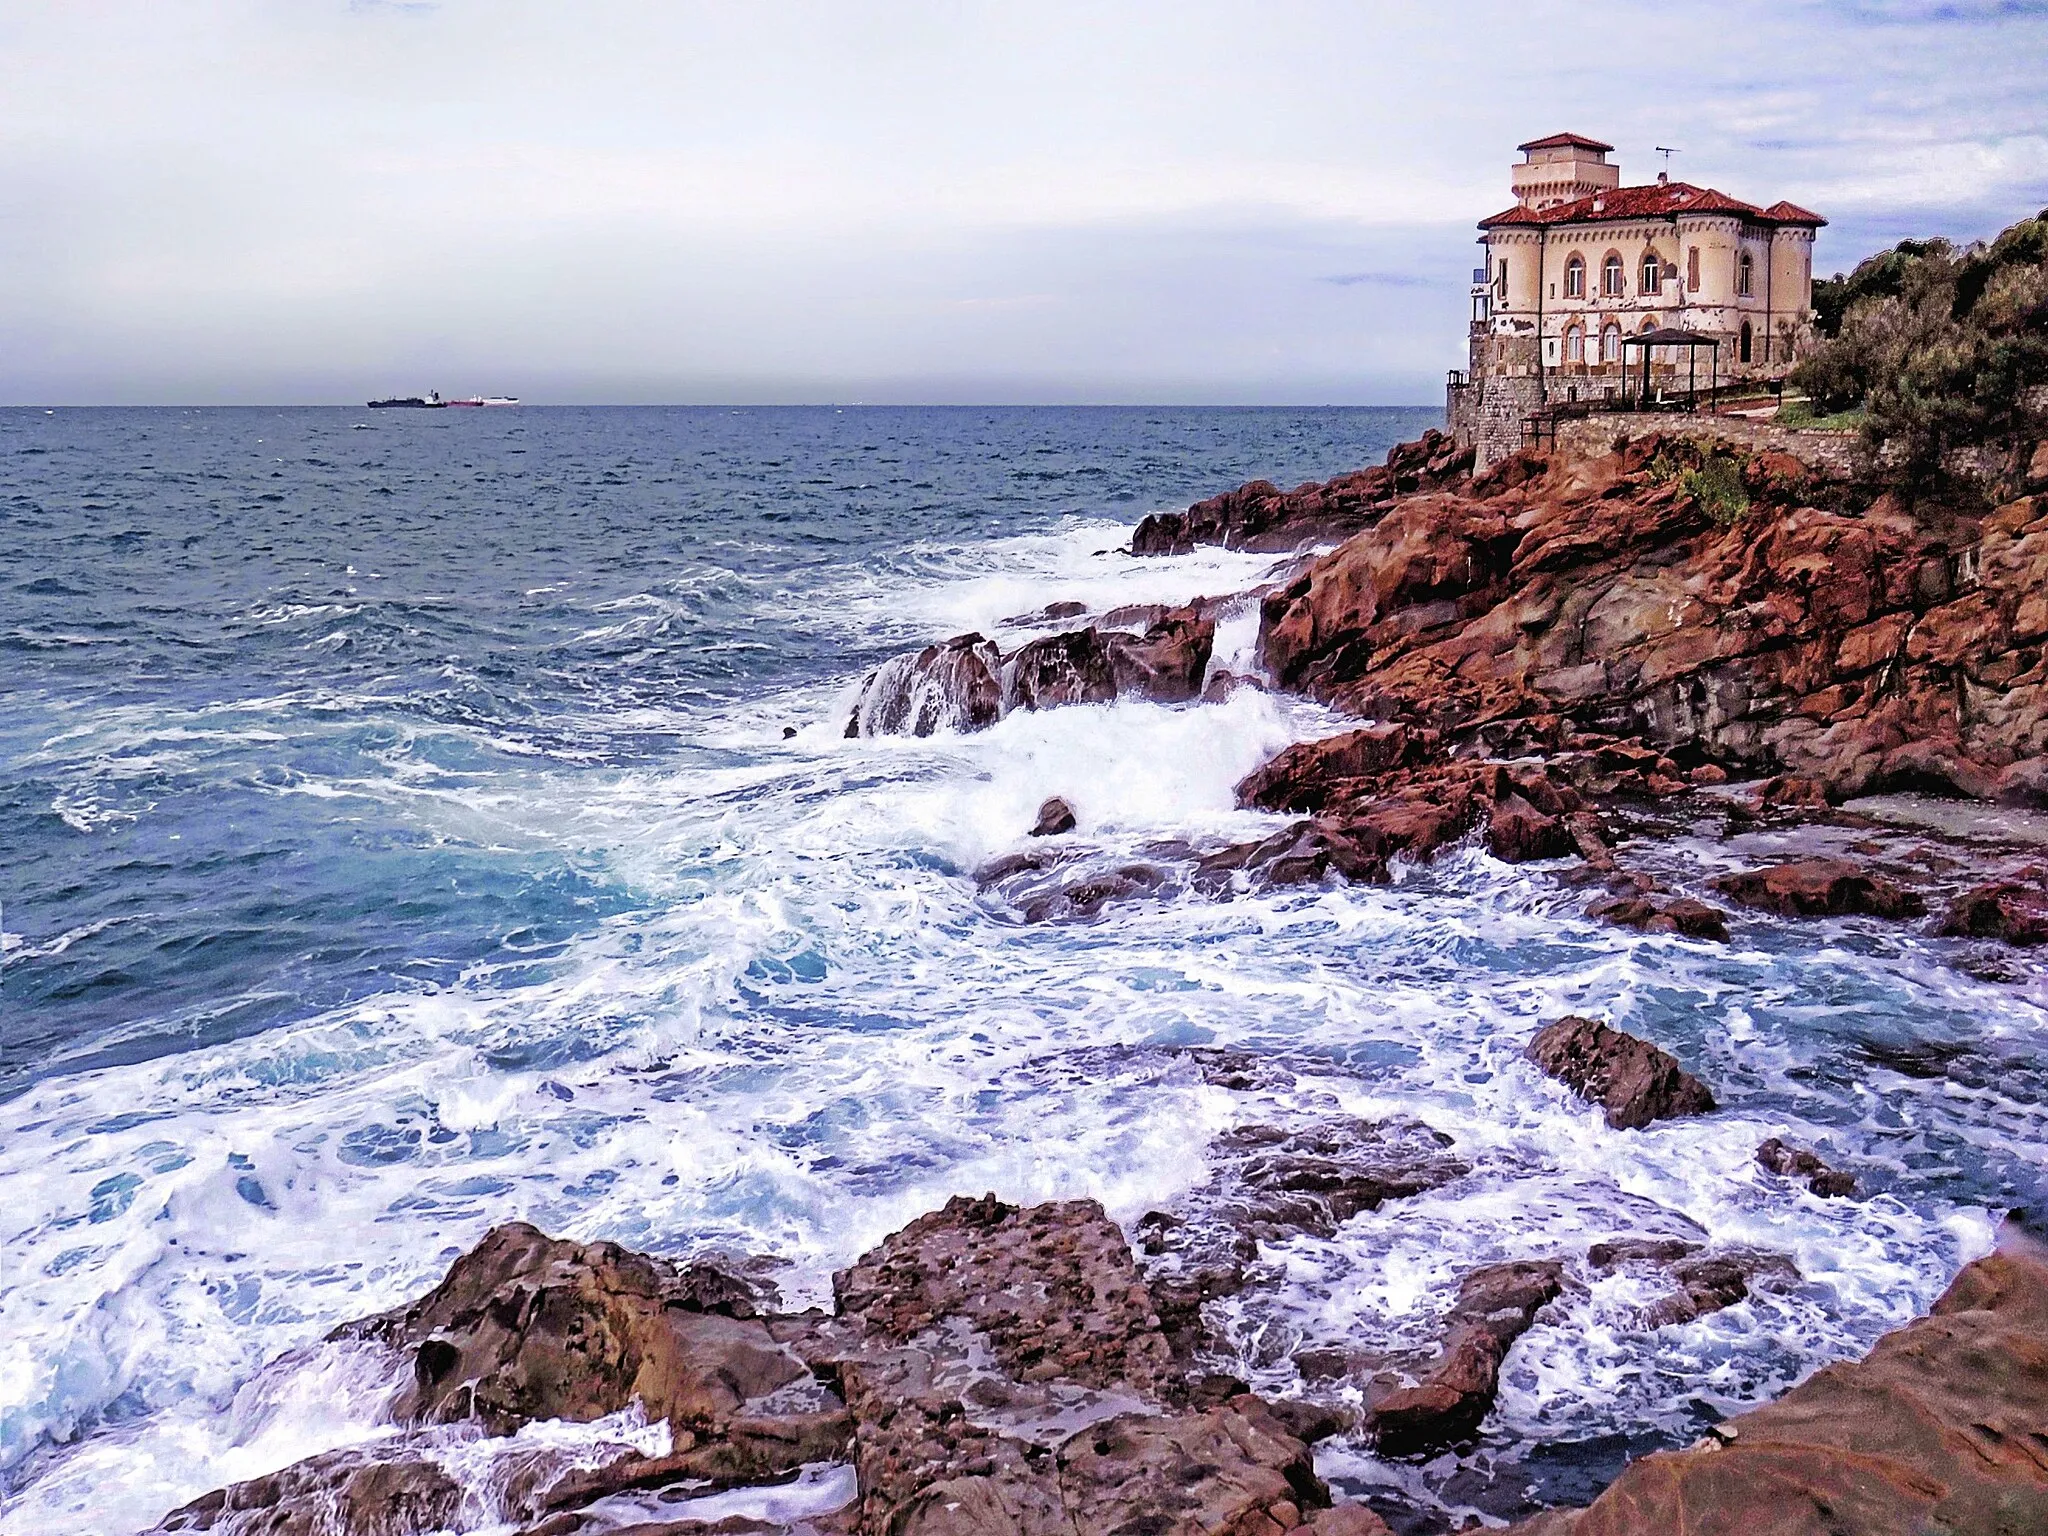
x: 1550, y: 600
x: 990, y: 1370
x: 966, y: 684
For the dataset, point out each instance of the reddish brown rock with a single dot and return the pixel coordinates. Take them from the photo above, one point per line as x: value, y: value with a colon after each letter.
x: 1312, y: 774
x: 1055, y: 816
x: 1495, y: 1306
x: 1657, y: 913
x: 1939, y: 1428
x: 2014, y: 911
x: 1631, y: 1079
x: 1820, y: 888
x: 1832, y: 647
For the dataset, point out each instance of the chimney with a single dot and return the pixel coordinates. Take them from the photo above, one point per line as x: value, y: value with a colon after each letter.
x: 1663, y: 178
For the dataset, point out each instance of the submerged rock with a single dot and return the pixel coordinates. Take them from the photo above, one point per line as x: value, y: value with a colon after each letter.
x: 1631, y: 1079
x: 1820, y: 888
x: 1792, y: 1162
x: 1656, y: 913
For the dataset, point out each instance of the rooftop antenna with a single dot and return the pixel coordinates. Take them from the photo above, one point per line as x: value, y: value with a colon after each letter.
x: 1665, y: 174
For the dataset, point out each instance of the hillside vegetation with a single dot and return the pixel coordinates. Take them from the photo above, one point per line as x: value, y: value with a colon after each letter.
x: 1944, y: 348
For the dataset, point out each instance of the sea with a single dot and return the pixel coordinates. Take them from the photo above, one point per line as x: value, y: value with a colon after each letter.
x: 414, y: 821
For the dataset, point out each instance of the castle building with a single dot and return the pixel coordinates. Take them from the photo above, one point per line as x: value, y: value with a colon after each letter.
x: 1581, y: 263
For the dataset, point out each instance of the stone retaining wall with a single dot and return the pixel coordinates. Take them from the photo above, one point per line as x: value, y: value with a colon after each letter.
x: 1832, y: 453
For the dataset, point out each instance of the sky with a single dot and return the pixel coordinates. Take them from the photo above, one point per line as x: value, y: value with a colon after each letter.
x: 278, y: 201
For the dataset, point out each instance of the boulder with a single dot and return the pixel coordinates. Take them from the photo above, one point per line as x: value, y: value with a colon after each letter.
x: 2014, y: 911
x: 1054, y: 817
x: 1495, y: 1306
x: 1938, y: 1428
x: 1629, y: 1078
x: 1820, y: 888
x: 1657, y: 913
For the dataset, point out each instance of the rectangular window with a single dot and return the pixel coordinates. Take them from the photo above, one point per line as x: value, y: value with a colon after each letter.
x: 1692, y: 269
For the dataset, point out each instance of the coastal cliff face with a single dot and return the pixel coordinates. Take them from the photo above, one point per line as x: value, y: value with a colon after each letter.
x: 1780, y: 630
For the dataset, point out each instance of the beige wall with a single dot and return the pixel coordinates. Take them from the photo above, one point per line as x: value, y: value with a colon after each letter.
x: 1781, y: 284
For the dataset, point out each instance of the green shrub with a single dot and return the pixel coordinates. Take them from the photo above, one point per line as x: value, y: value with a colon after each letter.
x: 1941, y: 348
x: 1716, y: 484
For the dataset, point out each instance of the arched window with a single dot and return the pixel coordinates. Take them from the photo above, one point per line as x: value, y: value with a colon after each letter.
x: 1649, y: 324
x: 1745, y: 274
x: 1613, y: 275
x: 1575, y: 279
x: 1744, y: 342
x: 1610, y: 343
x: 1575, y: 342
x: 1653, y: 273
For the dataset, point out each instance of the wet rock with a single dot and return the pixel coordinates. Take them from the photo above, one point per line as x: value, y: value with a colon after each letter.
x: 1302, y: 854
x: 1054, y: 817
x: 1938, y: 1428
x: 529, y: 1327
x: 1312, y: 774
x: 2012, y: 911
x: 1820, y: 888
x: 1168, y: 662
x: 1519, y: 833
x: 1070, y: 668
x: 1495, y: 1306
x: 1008, y: 1373
x: 362, y: 1491
x: 1658, y: 913
x: 1051, y: 1288
x: 1631, y: 1079
x: 1790, y: 1162
x: 951, y: 686
x: 1234, y: 1468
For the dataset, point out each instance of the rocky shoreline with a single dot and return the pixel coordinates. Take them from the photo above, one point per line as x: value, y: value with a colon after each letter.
x: 1574, y: 664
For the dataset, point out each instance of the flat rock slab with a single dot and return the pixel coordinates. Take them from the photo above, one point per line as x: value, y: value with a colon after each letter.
x: 1631, y: 1079
x: 1821, y: 888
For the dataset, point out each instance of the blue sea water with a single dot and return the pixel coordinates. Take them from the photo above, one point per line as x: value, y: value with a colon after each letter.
x: 412, y: 821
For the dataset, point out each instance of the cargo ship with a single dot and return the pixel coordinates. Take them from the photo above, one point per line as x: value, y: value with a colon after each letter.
x: 432, y: 401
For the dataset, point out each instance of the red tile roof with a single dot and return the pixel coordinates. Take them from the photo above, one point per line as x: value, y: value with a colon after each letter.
x: 1560, y: 140
x: 1792, y: 213
x: 1659, y: 200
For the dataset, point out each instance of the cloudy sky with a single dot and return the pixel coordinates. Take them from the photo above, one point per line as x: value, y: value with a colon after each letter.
x: 907, y: 200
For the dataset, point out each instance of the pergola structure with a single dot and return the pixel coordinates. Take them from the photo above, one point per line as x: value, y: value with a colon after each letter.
x: 1692, y: 341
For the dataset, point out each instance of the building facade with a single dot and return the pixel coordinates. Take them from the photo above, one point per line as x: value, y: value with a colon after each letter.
x: 1581, y: 263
